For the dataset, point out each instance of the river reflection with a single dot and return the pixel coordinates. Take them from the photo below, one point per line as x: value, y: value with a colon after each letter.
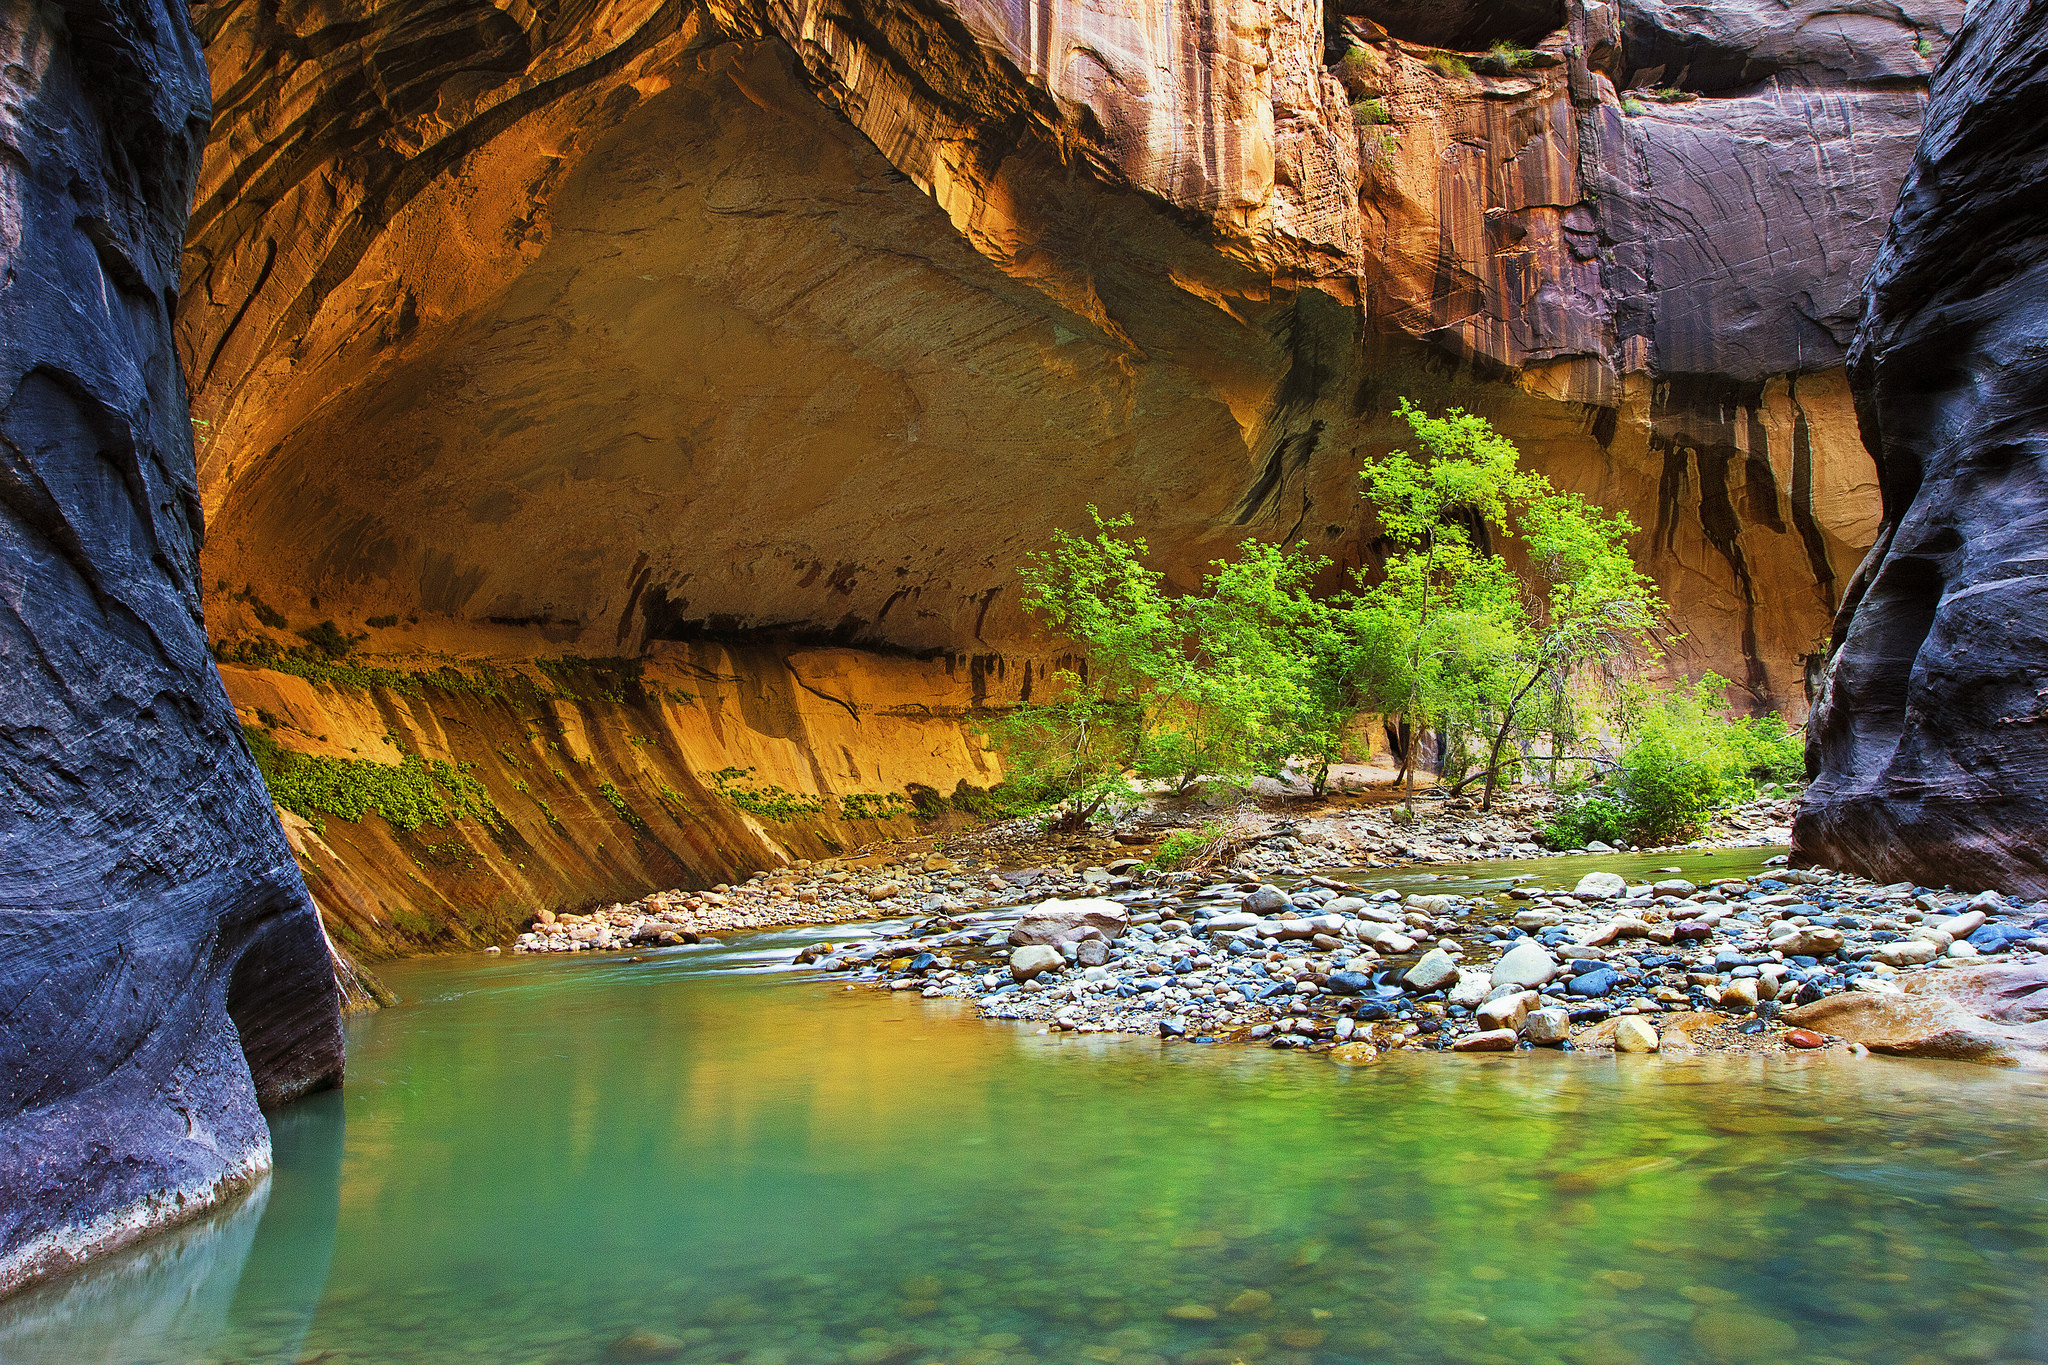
x: 563, y: 1162
x: 188, y: 1294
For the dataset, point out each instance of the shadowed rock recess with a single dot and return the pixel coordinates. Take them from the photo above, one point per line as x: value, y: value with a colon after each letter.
x: 162, y: 972
x: 566, y: 329
x: 1931, y: 738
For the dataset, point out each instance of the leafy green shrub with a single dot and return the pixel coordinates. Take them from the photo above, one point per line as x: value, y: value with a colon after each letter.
x: 1361, y: 71
x: 1504, y: 57
x: 1682, y: 761
x: 1671, y: 94
x: 1370, y: 112
x: 925, y: 800
x: 327, y: 639
x: 1185, y: 846
x: 1632, y: 106
x: 617, y: 802
x: 1585, y: 818
x: 874, y: 805
x: 1452, y: 65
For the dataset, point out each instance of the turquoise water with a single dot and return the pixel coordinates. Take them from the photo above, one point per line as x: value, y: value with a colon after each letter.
x: 549, y: 1161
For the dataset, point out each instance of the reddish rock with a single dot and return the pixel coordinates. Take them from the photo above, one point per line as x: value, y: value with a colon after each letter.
x: 1995, y: 1014
x: 1806, y: 1038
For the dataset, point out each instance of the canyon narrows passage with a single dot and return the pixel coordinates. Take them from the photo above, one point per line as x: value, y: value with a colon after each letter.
x: 585, y: 422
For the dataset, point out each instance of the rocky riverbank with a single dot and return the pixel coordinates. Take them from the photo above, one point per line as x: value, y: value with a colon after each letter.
x: 1014, y: 863
x: 1275, y: 950
x: 1600, y: 964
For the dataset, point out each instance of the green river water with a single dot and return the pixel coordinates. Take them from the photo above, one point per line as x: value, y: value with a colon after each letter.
x: 537, y: 1157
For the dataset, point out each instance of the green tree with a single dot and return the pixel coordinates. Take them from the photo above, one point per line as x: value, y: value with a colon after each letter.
x: 1223, y: 683
x: 1484, y: 650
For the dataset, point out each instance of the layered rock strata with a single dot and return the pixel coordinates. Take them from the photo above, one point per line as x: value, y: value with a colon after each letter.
x: 1929, y: 740
x: 814, y: 317
x: 162, y: 969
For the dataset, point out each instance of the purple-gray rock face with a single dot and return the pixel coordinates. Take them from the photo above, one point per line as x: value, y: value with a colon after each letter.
x: 162, y: 972
x: 1930, y: 739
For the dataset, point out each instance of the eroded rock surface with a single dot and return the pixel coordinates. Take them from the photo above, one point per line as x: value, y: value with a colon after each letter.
x: 1930, y: 741
x: 815, y: 317
x: 1996, y: 1014
x: 161, y: 968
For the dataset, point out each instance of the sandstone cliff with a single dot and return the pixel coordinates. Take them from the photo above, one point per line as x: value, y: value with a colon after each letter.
x: 161, y: 967
x: 568, y: 330
x: 1932, y: 760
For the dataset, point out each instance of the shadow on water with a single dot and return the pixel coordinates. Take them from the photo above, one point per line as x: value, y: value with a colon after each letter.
x: 255, y: 1267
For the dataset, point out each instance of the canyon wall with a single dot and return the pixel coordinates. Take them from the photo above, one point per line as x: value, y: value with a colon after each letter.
x: 570, y: 330
x: 1931, y: 736
x: 162, y: 969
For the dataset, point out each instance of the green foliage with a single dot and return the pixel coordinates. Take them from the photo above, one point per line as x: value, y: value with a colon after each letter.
x: 416, y: 925
x: 327, y: 639
x: 1671, y: 94
x: 381, y: 622
x: 1185, y: 846
x: 317, y: 666
x: 1450, y: 638
x: 618, y: 803
x: 1504, y: 57
x: 1216, y: 685
x: 1682, y: 760
x: 1361, y: 71
x: 1452, y: 65
x: 1370, y: 111
x: 268, y: 615
x: 409, y: 794
x: 768, y: 802
x: 1923, y: 47
x: 876, y: 805
x: 1632, y: 106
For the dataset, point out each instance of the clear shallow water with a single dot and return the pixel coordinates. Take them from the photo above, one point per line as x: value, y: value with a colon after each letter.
x: 536, y: 1157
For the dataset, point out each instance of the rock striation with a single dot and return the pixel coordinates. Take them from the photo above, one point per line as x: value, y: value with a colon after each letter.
x: 163, y: 971
x: 739, y: 319
x: 1929, y: 739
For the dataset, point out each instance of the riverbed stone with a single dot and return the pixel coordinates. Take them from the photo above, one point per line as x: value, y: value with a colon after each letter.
x: 1267, y: 900
x: 635, y: 1348
x: 1491, y: 1040
x: 1525, y: 966
x: 1996, y: 1012
x: 1546, y: 1027
x: 1035, y: 959
x: 1634, y: 1035
x: 1808, y: 941
x: 1600, y: 886
x: 1593, y: 984
x: 1742, y: 993
x: 1907, y: 952
x: 1349, y: 982
x: 1471, y: 988
x: 1436, y: 970
x: 1056, y: 921
x: 1507, y: 1011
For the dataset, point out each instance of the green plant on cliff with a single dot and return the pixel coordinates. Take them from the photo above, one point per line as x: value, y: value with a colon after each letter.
x: 1505, y: 57
x: 767, y: 802
x: 1370, y: 112
x: 411, y: 793
x: 1451, y: 65
x: 618, y: 803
